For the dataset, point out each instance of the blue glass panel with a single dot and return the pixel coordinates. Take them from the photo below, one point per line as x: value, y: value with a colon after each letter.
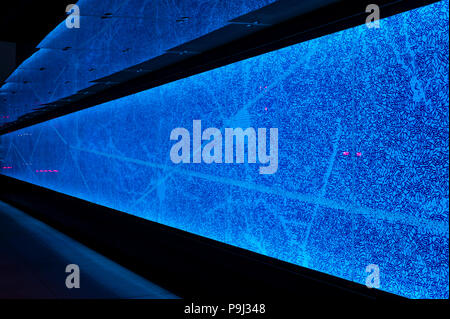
x: 363, y: 154
x: 135, y: 31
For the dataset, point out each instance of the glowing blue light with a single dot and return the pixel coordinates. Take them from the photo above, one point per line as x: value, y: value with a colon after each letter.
x: 382, y: 93
x: 135, y: 31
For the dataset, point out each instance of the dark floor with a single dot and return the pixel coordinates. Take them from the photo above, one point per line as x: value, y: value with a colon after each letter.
x: 33, y: 260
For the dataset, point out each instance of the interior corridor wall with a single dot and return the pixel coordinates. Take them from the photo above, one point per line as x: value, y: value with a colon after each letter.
x: 363, y: 154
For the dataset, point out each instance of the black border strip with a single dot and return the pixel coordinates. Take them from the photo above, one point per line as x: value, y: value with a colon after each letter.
x: 188, y: 265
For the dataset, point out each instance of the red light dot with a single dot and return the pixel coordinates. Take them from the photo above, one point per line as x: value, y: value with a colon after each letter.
x: 358, y: 154
x: 345, y: 153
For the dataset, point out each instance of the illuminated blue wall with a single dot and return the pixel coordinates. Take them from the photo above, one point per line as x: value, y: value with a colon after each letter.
x: 363, y: 154
x: 136, y: 31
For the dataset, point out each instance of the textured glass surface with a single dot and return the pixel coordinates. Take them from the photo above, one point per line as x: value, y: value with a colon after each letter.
x: 363, y: 154
x: 113, y: 35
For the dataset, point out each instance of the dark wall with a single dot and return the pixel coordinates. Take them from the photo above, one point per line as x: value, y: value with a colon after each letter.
x: 7, y: 58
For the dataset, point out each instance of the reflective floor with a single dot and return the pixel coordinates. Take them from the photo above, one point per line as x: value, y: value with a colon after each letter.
x: 34, y: 257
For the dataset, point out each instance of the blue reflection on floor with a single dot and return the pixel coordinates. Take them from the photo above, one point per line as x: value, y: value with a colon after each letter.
x: 34, y: 258
x: 363, y: 154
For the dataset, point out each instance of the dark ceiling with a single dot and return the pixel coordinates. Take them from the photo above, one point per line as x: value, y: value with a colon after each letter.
x: 27, y: 22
